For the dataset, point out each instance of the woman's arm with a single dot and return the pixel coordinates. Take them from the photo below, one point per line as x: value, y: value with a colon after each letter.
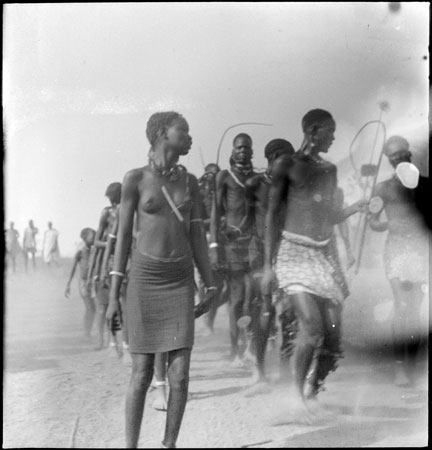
x: 109, y: 249
x: 197, y: 236
x: 199, y: 247
x: 72, y: 274
x: 127, y: 208
x: 97, y: 247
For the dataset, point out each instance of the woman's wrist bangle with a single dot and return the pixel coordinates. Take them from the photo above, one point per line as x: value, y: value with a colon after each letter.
x: 112, y: 236
x: 210, y: 288
x: 213, y: 245
x: 114, y: 272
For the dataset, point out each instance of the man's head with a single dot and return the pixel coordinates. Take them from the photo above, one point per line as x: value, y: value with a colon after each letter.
x: 276, y: 148
x: 88, y: 236
x: 319, y: 127
x: 31, y: 223
x: 50, y: 225
x: 113, y: 192
x: 169, y: 128
x: 212, y: 167
x: 396, y: 148
x: 11, y: 225
x: 242, y: 149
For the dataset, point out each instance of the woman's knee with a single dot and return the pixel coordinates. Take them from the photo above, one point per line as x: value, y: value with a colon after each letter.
x: 142, y: 374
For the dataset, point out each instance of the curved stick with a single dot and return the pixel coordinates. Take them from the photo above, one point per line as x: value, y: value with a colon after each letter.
x: 237, y: 125
x: 365, y: 222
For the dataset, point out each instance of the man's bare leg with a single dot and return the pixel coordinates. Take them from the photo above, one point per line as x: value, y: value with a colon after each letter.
x: 178, y: 377
x: 310, y: 337
x: 236, y: 290
x: 142, y: 373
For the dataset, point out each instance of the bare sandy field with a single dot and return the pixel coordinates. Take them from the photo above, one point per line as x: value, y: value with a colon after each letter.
x: 59, y: 392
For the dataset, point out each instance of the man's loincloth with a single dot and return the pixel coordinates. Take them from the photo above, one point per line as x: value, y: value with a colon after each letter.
x: 237, y: 254
x: 310, y: 266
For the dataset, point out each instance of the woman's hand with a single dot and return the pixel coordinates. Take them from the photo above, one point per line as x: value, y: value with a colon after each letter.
x: 114, y: 310
x: 67, y: 291
x: 204, y: 305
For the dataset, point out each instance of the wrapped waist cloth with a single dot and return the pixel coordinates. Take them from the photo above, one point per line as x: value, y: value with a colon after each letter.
x: 160, y: 304
x: 306, y: 265
x: 406, y: 255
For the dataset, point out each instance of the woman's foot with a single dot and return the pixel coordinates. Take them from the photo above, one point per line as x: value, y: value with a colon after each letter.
x: 160, y: 402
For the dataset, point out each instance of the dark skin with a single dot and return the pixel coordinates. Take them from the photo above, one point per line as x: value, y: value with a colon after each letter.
x: 307, y: 183
x: 399, y: 204
x: 231, y: 203
x: 160, y: 234
x: 106, y: 226
x: 257, y: 191
x: 207, y: 189
x: 88, y: 301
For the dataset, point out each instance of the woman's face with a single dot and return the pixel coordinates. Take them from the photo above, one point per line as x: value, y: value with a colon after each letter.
x: 178, y: 136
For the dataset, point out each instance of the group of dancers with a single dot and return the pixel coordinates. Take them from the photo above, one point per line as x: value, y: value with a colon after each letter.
x: 256, y: 239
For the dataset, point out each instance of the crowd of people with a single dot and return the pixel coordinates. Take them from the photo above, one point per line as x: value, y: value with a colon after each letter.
x: 50, y: 248
x: 170, y: 248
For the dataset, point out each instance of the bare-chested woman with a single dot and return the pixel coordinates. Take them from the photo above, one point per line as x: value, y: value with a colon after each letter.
x: 307, y: 265
x: 405, y: 259
x: 160, y: 297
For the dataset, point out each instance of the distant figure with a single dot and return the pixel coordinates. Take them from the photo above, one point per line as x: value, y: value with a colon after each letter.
x: 29, y: 244
x: 50, y: 248
x: 82, y: 257
x: 405, y: 259
x: 12, y: 244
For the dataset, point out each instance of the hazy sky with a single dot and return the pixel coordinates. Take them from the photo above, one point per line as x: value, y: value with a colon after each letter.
x: 81, y: 80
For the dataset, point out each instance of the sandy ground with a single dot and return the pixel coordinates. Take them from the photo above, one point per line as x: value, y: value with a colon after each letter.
x: 54, y: 383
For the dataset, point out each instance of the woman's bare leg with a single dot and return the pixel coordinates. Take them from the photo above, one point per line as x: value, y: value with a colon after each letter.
x: 178, y: 377
x: 142, y: 373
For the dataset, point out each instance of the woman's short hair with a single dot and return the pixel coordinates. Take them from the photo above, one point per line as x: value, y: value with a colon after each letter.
x: 158, y: 121
x: 315, y: 117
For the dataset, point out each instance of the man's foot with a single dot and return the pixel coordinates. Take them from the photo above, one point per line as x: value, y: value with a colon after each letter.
x: 127, y: 358
x: 262, y: 386
x: 114, y: 350
x: 99, y: 346
x: 208, y: 331
x: 317, y: 409
x: 160, y: 402
x: 237, y: 362
x: 297, y: 412
x: 249, y: 357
